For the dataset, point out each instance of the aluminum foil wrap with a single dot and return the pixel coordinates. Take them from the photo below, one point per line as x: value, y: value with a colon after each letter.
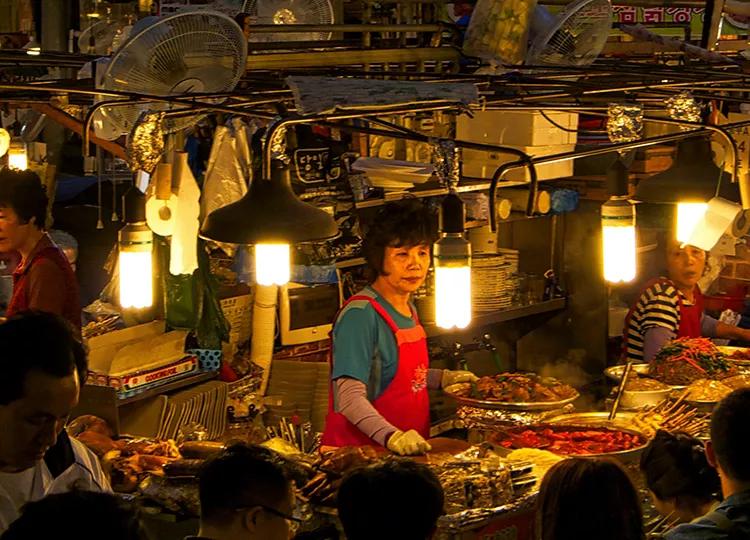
x: 488, y: 419
x: 446, y: 157
x: 278, y: 145
x: 146, y: 142
x: 624, y: 122
x: 475, y: 483
x: 684, y: 107
x: 474, y: 518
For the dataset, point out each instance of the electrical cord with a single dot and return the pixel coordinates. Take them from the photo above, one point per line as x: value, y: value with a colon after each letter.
x: 570, y: 130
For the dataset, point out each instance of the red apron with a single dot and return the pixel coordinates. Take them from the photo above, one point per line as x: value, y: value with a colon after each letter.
x: 404, y: 402
x: 690, y: 315
x: 20, y: 300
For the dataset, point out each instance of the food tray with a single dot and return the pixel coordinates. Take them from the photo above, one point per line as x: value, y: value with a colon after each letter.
x: 730, y: 350
x: 506, y: 405
x: 615, y: 373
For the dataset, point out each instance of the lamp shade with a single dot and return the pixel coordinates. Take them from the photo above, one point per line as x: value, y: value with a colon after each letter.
x: 693, y: 176
x: 269, y: 213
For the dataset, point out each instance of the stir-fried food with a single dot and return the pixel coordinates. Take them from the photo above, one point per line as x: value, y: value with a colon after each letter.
x: 517, y: 388
x: 569, y: 440
x: 686, y: 360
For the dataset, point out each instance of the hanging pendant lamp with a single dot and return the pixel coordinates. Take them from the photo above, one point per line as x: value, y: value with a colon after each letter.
x: 271, y: 217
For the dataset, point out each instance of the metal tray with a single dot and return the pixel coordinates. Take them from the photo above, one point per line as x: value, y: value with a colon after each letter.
x: 615, y: 372
x: 729, y: 350
x: 509, y: 406
x: 625, y: 455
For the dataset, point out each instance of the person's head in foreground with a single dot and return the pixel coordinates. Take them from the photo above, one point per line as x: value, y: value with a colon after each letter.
x: 729, y: 447
x: 588, y: 498
x: 83, y: 515
x: 398, y: 500
x: 245, y: 495
x: 678, y: 476
x: 39, y: 387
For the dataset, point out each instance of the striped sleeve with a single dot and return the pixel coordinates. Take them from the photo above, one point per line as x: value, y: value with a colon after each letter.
x: 659, y: 306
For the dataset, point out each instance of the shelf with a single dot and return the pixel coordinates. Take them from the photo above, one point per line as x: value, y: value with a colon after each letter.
x: 500, y: 316
x: 169, y: 387
x: 348, y: 263
x: 467, y: 185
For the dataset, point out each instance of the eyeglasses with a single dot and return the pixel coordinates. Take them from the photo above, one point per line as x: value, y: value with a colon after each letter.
x: 293, y: 522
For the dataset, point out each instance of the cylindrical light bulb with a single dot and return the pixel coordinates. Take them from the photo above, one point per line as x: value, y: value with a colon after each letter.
x: 136, y: 266
x: 272, y: 264
x: 618, y: 240
x: 689, y: 214
x: 17, y: 155
x: 452, y: 282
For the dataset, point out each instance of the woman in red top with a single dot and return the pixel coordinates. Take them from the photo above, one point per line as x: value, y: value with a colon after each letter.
x: 44, y: 279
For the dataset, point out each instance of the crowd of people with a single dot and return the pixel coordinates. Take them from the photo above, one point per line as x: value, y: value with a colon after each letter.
x: 246, y: 493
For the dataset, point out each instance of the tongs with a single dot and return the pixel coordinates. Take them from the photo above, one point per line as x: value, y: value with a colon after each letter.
x: 620, y: 388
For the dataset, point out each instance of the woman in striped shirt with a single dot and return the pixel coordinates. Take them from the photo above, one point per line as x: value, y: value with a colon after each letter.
x: 672, y: 307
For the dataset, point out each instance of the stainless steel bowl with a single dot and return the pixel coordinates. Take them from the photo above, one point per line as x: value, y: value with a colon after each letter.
x: 638, y: 399
x: 600, y: 419
x: 615, y: 372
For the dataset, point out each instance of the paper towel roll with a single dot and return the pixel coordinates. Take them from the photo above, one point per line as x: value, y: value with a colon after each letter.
x: 741, y: 224
x: 264, y: 330
x: 717, y: 220
x: 183, y: 257
x: 160, y: 214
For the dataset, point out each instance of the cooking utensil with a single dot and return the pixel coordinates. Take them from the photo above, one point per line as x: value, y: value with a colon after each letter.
x: 620, y: 388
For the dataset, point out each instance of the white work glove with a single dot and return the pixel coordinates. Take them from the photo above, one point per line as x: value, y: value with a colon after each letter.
x: 454, y: 377
x: 408, y: 443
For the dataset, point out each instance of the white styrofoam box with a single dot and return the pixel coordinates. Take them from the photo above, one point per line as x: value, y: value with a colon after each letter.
x: 518, y: 128
x: 478, y: 164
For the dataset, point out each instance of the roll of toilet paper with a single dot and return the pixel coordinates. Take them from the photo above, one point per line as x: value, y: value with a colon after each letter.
x: 161, y: 213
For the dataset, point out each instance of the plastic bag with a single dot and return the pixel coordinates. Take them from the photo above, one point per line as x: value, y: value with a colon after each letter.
x: 499, y: 30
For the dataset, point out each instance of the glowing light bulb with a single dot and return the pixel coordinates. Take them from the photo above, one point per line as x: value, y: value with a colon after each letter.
x: 618, y: 240
x: 452, y: 296
x: 136, y: 266
x: 272, y: 264
x: 689, y: 215
x: 17, y: 155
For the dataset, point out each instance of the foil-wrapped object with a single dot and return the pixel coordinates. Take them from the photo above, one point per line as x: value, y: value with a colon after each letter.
x: 475, y: 518
x: 684, y: 107
x: 446, y: 157
x: 484, y: 482
x: 146, y: 142
x: 484, y: 419
x: 624, y: 122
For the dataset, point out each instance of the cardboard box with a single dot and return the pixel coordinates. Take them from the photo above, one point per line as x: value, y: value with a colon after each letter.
x: 478, y: 164
x: 518, y: 128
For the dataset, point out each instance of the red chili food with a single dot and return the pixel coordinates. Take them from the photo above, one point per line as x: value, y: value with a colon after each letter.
x: 567, y: 440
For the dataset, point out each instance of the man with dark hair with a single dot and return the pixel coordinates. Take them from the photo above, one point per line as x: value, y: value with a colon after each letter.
x: 42, y: 372
x: 379, y: 365
x: 99, y: 515
x: 44, y: 280
x: 245, y: 495
x: 729, y: 452
x: 398, y: 500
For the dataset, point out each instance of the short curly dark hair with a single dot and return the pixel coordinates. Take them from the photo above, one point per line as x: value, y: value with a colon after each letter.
x: 405, y: 223
x: 729, y: 435
x: 24, y: 192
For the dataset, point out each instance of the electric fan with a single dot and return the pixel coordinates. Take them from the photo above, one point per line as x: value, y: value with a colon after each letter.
x: 290, y: 12
x: 575, y: 37
x: 103, y: 37
x: 188, y: 52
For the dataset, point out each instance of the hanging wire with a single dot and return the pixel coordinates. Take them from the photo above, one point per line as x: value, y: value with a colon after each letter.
x: 99, y: 166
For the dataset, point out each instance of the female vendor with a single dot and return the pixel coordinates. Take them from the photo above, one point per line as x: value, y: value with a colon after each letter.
x: 379, y: 372
x: 672, y: 307
x: 44, y: 279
